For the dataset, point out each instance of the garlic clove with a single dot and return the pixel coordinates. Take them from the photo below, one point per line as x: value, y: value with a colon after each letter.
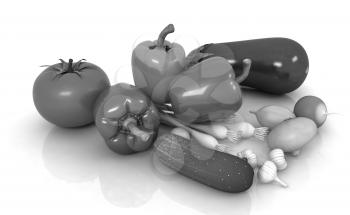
x: 268, y: 173
x: 250, y: 156
x: 277, y: 156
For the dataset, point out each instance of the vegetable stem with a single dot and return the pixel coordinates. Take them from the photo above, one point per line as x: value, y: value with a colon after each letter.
x: 167, y: 30
x: 131, y: 125
x: 246, y: 70
x: 70, y: 66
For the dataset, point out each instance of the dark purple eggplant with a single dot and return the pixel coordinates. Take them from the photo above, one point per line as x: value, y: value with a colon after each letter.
x: 279, y: 65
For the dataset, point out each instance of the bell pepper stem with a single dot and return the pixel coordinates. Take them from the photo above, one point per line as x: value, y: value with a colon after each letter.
x: 167, y: 30
x: 132, y: 126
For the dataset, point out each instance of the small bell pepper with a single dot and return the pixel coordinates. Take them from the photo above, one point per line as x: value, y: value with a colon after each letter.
x: 126, y: 118
x: 207, y: 90
x: 154, y: 63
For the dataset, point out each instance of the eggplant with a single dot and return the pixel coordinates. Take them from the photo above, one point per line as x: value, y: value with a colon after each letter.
x: 279, y: 65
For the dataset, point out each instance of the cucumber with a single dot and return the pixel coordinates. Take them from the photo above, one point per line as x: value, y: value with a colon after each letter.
x: 215, y: 169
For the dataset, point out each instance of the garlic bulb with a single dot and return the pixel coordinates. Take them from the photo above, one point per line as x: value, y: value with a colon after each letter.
x: 277, y: 156
x: 268, y: 173
x: 250, y: 156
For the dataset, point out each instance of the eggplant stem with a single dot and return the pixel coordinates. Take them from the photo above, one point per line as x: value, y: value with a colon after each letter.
x: 167, y: 30
x: 246, y: 70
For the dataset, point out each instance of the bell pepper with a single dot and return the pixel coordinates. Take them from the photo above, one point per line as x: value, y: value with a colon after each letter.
x: 154, y: 63
x: 207, y: 90
x: 126, y: 118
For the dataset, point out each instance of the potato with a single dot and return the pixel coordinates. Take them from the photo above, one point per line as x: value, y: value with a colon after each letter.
x: 291, y: 135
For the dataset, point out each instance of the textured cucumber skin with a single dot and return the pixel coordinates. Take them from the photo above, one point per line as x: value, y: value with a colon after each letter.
x: 221, y: 171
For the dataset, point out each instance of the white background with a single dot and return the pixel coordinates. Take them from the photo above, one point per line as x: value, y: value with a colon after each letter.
x: 48, y: 170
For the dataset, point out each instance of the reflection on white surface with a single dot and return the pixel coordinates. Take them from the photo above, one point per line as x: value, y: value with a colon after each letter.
x: 197, y: 196
x: 127, y: 181
x: 73, y: 154
x: 80, y: 155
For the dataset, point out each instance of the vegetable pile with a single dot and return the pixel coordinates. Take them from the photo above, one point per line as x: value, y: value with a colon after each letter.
x: 198, y: 95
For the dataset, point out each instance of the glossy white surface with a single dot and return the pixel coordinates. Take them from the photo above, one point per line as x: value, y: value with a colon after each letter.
x: 49, y: 170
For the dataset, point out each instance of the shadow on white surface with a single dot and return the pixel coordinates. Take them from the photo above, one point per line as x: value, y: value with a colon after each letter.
x: 127, y: 181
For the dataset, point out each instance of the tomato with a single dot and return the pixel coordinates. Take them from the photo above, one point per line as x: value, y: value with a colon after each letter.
x: 65, y: 93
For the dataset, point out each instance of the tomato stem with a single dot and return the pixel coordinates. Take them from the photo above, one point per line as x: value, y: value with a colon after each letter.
x: 167, y: 30
x: 70, y: 66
